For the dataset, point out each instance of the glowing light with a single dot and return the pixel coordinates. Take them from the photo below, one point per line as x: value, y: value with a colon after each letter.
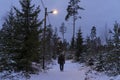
x: 55, y: 11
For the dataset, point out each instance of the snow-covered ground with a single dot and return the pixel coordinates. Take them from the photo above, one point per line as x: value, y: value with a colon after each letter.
x: 72, y: 71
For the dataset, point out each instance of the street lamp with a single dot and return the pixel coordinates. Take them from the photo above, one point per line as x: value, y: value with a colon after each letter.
x: 45, y: 16
x: 55, y: 11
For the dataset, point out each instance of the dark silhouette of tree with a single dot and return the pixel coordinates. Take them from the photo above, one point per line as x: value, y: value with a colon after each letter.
x: 116, y: 34
x: 59, y: 46
x: 93, y: 33
x: 55, y: 39
x: 79, y: 45
x: 65, y: 45
x: 63, y: 30
x: 48, y: 41
x: 27, y: 28
x: 93, y: 40
x: 72, y: 44
x: 112, y: 57
x: 7, y: 42
x: 73, y: 11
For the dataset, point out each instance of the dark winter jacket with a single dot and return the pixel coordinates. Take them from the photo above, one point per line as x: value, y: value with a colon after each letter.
x: 61, y: 59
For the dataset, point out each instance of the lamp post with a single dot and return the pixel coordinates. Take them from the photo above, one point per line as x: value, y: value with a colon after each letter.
x: 44, y: 45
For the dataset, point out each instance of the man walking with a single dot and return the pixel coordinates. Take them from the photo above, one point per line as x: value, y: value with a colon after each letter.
x: 61, y: 61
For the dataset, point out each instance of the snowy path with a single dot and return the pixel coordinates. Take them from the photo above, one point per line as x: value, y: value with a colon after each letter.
x: 72, y: 71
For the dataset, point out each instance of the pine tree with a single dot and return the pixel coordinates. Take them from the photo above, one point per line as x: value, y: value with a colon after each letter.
x: 112, y: 57
x: 93, y: 33
x: 55, y: 40
x: 28, y: 30
x: 63, y: 30
x: 79, y: 45
x: 7, y: 42
x: 48, y: 41
x: 73, y: 11
x: 65, y: 45
x: 116, y: 35
x: 93, y: 39
x: 93, y: 48
x: 72, y: 45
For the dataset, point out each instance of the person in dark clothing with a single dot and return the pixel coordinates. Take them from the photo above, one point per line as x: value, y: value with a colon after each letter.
x: 61, y: 61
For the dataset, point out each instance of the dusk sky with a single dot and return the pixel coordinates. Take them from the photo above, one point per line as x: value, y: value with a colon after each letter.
x: 97, y: 12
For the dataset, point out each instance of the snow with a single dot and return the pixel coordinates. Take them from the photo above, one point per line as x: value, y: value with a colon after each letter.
x: 72, y: 71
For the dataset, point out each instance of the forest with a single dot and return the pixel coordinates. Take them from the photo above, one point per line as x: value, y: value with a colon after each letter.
x: 24, y: 41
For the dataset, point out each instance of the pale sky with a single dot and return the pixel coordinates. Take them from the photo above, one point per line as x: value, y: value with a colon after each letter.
x: 97, y: 12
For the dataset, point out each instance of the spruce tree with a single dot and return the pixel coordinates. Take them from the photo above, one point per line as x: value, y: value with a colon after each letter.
x: 7, y: 42
x: 113, y: 56
x: 116, y: 35
x: 72, y: 44
x: 55, y: 39
x: 48, y: 41
x: 79, y: 45
x: 28, y: 31
x: 93, y: 40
